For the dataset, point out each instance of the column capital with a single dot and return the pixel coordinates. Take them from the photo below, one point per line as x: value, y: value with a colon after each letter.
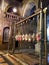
x: 44, y: 10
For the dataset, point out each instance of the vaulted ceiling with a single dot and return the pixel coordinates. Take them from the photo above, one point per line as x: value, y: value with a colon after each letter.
x: 14, y: 2
x: 18, y: 2
x: 45, y: 2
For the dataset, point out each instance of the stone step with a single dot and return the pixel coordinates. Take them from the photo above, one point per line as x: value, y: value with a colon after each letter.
x: 4, y: 64
x: 27, y: 59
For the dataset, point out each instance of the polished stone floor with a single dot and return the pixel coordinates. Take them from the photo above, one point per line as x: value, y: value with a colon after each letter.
x: 19, y: 58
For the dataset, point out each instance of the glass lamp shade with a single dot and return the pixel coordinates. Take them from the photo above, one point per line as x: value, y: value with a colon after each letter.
x: 29, y: 38
x: 16, y: 37
x: 26, y: 37
x: 23, y: 37
x: 38, y: 37
x: 33, y: 36
x: 20, y: 38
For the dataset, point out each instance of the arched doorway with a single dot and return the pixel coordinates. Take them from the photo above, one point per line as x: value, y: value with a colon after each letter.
x: 6, y: 35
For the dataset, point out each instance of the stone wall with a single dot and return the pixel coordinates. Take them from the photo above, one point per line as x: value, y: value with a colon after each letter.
x: 3, y: 23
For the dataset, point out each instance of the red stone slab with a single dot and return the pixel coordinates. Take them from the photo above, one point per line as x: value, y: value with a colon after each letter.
x: 2, y: 60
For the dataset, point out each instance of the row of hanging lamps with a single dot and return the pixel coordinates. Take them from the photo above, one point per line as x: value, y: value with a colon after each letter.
x: 26, y: 37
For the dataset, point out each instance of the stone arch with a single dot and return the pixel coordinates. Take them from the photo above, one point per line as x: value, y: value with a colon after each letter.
x: 7, y: 8
x: 29, y: 9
